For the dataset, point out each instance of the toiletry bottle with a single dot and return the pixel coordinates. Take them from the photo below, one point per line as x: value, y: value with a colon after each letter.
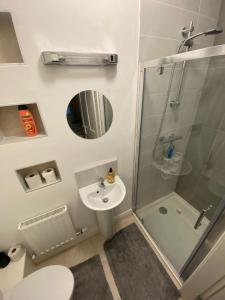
x: 27, y: 121
x: 170, y: 151
x: 111, y: 176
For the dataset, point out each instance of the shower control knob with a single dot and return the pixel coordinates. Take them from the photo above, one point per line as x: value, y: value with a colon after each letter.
x: 174, y: 104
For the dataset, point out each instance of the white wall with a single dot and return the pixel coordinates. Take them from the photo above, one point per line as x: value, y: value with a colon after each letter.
x: 80, y: 25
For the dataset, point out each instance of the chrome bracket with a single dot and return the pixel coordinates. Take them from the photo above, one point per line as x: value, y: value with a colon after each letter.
x: 186, y: 32
x: 174, y: 104
x: 170, y: 139
x: 201, y: 216
x: 160, y: 70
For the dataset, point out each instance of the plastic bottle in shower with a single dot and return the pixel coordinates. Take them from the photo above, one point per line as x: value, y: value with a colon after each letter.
x: 27, y: 121
x: 170, y: 151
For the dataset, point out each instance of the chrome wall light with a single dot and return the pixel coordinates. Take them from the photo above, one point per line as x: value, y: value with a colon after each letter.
x: 78, y: 59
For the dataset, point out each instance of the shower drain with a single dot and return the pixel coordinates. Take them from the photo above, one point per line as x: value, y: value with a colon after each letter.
x: 163, y: 210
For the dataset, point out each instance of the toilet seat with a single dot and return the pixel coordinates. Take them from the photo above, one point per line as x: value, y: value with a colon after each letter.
x: 53, y: 282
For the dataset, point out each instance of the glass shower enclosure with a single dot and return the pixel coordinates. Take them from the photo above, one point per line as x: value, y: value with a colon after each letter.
x: 180, y: 156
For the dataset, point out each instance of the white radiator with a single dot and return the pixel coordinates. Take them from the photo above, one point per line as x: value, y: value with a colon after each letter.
x: 48, y: 231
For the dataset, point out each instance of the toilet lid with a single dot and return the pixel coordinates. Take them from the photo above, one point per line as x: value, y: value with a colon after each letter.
x: 53, y: 282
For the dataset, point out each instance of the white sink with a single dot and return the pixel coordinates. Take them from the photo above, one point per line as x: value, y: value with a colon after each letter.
x: 100, y: 199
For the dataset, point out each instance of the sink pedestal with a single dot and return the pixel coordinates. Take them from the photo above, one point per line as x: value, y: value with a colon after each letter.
x: 105, y: 222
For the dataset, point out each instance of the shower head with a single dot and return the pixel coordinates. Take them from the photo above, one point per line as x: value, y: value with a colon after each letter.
x: 213, y: 31
x: 189, y: 41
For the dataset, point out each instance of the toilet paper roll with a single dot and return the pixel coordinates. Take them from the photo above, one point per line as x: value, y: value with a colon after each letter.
x: 33, y: 180
x: 49, y: 175
x: 16, y: 252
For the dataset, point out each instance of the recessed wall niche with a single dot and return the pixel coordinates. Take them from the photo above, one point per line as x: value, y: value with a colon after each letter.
x: 89, y: 114
x: 9, y: 47
x: 39, y: 171
x: 11, y: 129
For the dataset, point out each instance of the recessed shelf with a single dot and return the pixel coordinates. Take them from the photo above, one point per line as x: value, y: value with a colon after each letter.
x: 15, y: 139
x: 11, y: 130
x: 22, y: 173
x: 9, y: 46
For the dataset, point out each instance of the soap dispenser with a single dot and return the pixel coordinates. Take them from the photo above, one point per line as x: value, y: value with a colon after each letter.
x: 111, y: 176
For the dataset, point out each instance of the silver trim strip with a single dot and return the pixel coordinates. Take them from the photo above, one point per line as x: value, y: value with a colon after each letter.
x: 191, y: 55
x: 137, y: 136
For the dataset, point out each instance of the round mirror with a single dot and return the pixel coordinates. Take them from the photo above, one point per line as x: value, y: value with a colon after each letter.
x: 89, y: 114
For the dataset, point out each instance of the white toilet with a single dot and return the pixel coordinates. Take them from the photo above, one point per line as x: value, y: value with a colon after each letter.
x: 53, y: 282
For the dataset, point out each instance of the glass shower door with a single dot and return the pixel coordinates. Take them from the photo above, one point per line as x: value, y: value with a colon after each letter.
x: 172, y: 193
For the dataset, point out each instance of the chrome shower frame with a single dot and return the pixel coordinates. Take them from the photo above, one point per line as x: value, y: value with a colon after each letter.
x: 185, y: 56
x: 159, y: 64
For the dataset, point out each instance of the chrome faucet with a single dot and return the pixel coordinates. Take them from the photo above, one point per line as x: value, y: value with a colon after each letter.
x: 101, y: 183
x: 201, y: 216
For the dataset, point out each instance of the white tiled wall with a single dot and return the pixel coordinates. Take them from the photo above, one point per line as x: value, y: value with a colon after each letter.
x: 162, y: 20
x: 205, y: 185
x: 161, y: 23
x: 179, y: 122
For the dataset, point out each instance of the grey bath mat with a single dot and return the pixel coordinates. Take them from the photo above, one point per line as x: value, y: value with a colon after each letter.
x: 137, y: 271
x: 90, y: 281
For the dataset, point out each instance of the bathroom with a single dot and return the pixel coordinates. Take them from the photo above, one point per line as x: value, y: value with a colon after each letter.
x: 162, y: 236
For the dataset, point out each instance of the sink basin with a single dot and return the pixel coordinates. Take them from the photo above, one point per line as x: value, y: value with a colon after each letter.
x: 100, y: 199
